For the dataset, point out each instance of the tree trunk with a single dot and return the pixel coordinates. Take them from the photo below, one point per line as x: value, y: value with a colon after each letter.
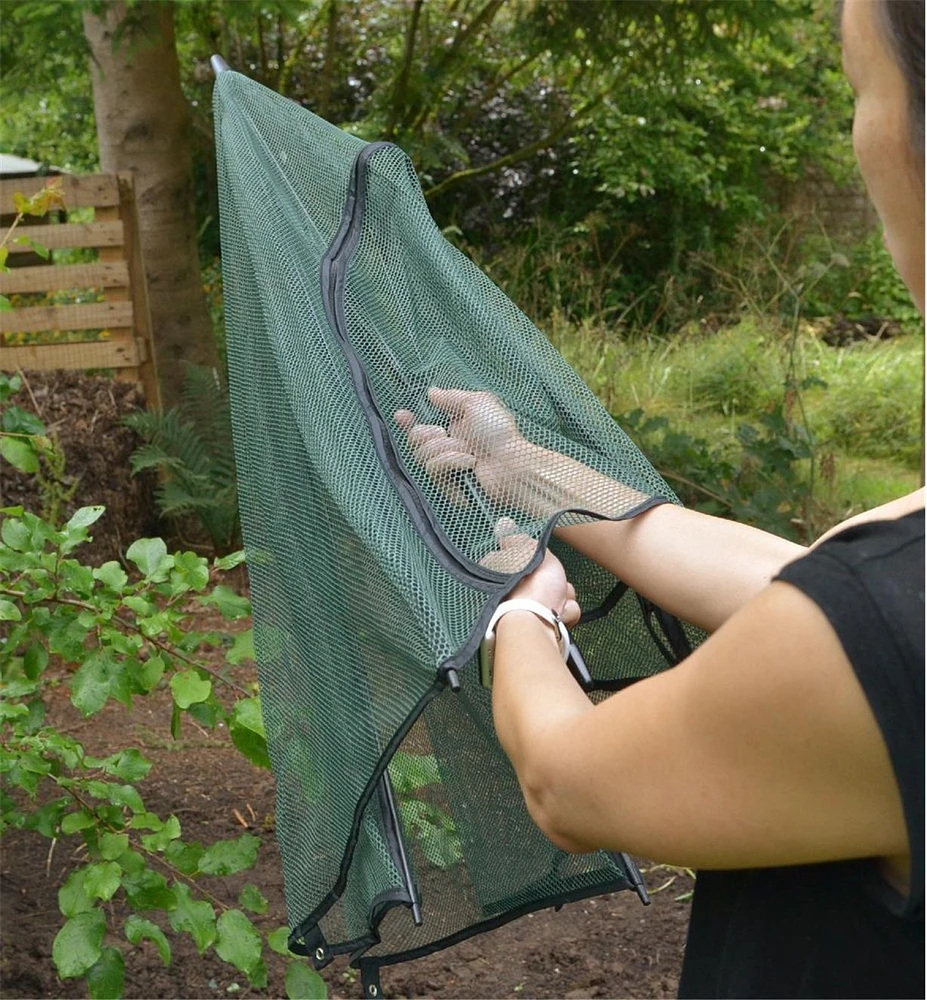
x: 143, y: 126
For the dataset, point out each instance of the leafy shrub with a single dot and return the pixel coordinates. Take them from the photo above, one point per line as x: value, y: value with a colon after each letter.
x: 119, y: 636
x: 192, y: 445
x: 868, y: 285
x: 759, y: 480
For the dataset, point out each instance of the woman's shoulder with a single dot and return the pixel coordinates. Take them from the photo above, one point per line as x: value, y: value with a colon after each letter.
x: 909, y: 508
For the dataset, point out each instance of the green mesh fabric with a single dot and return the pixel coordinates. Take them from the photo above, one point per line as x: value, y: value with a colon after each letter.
x: 343, y: 304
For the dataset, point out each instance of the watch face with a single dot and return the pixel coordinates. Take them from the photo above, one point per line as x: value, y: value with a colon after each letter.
x: 487, y: 654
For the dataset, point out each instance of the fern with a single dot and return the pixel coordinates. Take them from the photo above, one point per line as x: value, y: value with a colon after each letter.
x: 192, y: 446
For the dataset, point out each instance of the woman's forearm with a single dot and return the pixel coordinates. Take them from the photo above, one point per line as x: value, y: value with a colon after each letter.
x: 695, y: 566
x: 698, y: 567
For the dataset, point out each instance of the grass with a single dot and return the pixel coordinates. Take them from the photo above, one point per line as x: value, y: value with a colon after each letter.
x: 862, y: 403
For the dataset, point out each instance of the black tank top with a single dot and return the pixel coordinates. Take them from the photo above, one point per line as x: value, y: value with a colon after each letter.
x: 837, y: 929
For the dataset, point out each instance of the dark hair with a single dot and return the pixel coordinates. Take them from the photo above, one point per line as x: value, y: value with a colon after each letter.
x: 904, y: 25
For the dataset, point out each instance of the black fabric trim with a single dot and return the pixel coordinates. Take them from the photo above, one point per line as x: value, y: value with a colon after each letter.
x: 332, y: 274
x: 304, y: 928
x: 572, y: 896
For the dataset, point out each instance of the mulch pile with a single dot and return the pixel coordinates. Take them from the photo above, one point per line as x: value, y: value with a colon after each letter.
x: 83, y: 414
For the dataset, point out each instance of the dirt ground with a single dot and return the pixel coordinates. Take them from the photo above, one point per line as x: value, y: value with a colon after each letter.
x: 611, y: 946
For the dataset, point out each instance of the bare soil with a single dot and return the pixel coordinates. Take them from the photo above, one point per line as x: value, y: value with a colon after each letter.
x: 610, y: 946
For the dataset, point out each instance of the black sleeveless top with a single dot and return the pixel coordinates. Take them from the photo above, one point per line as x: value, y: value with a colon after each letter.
x: 837, y: 929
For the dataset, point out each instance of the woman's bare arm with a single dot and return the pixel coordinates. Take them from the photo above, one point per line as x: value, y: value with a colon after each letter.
x: 760, y: 749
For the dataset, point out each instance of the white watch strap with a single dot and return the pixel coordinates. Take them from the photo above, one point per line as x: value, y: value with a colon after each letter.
x: 536, y: 608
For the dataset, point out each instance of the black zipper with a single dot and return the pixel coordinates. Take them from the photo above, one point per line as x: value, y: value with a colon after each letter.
x: 333, y: 271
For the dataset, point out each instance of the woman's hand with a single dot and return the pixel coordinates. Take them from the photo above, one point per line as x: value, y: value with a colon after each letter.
x: 547, y: 584
x: 483, y: 437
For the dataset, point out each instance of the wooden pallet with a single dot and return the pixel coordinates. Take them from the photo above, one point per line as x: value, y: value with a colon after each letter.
x: 120, y: 324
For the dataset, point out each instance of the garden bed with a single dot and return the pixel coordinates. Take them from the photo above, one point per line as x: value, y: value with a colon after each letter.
x: 611, y: 946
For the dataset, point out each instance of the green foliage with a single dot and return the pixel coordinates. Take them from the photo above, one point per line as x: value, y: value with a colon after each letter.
x: 192, y: 446
x: 46, y: 99
x: 117, y: 635
x: 428, y: 823
x: 868, y: 285
x: 871, y: 403
x: 27, y: 446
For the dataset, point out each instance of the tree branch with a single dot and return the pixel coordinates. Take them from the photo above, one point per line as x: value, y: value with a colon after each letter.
x: 402, y: 81
x: 440, y: 72
x: 328, y: 63
x: 455, y: 179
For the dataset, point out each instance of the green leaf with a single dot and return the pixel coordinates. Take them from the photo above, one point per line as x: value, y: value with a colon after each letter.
x: 140, y: 605
x: 409, y: 772
x: 102, y: 880
x: 252, y: 899
x: 106, y: 978
x: 150, y: 556
x: 73, y: 897
x: 242, y: 648
x: 246, y: 727
x: 185, y: 857
x: 190, y: 572
x: 35, y: 660
x: 9, y: 386
x: 90, y: 685
x: 130, y: 765
x: 176, y: 721
x: 40, y: 249
x: 278, y: 941
x: 238, y: 942
x: 19, y: 453
x: 77, y: 946
x: 16, y: 420
x: 83, y: 517
x: 113, y: 845
x: 5, y: 304
x: 149, y: 673
x: 80, y: 820
x: 303, y: 982
x: 189, y: 688
x: 257, y: 975
x: 139, y: 929
x: 9, y: 612
x: 230, y: 561
x: 12, y: 710
x: 159, y: 840
x: 229, y: 604
x: 15, y: 534
x: 229, y: 856
x: 195, y: 916
x: 147, y: 890
x: 125, y: 795
x: 47, y: 819
x: 112, y: 575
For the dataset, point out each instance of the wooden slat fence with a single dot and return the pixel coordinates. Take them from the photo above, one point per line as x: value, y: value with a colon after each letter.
x: 116, y: 321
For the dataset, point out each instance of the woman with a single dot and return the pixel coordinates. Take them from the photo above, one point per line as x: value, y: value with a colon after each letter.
x: 784, y: 758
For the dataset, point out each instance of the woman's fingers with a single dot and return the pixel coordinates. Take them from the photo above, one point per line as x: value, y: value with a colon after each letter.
x: 506, y: 533
x: 453, y: 402
x: 571, y: 613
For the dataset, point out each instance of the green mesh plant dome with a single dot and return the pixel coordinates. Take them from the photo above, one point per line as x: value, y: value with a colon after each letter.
x: 400, y: 821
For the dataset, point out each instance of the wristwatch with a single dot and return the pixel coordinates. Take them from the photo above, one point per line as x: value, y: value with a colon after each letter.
x: 488, y: 644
